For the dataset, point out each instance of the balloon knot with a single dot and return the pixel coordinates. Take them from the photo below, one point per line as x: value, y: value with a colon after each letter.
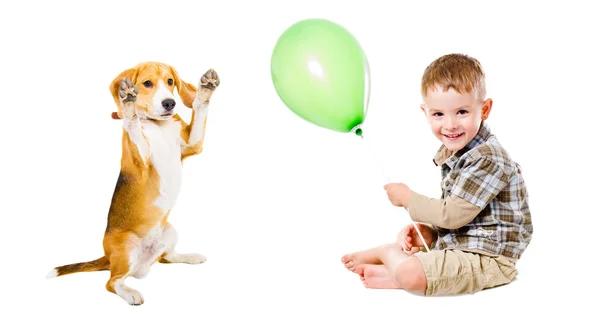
x: 358, y: 132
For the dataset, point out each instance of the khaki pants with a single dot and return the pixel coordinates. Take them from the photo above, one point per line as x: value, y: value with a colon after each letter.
x: 452, y: 271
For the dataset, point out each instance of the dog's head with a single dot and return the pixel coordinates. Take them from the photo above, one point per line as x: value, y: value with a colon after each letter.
x: 156, y: 83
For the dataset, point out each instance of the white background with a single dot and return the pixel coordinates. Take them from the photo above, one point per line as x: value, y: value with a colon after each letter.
x: 273, y: 201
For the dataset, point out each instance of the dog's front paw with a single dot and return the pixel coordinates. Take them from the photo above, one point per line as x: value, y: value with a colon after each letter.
x: 208, y: 83
x: 210, y: 80
x: 128, y: 94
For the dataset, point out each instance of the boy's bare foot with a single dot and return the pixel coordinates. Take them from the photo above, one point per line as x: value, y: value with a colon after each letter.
x: 380, y: 283
x: 375, y: 276
x: 366, y: 271
x: 369, y: 256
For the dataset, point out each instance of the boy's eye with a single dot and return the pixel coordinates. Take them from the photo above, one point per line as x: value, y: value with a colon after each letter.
x: 438, y: 114
x: 462, y: 112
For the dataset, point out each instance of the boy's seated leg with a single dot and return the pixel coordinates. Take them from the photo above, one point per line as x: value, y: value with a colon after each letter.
x: 389, y: 267
x: 405, y: 270
x: 452, y: 272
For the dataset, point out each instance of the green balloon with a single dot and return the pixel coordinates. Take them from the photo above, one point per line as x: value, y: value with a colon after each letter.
x: 321, y: 73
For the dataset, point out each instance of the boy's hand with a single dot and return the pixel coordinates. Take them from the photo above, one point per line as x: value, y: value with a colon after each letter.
x: 398, y: 193
x: 409, y: 238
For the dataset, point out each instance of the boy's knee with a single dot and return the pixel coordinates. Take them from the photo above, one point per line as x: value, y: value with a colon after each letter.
x: 409, y: 275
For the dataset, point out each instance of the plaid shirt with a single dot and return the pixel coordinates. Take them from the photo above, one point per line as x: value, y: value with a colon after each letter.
x: 483, y: 174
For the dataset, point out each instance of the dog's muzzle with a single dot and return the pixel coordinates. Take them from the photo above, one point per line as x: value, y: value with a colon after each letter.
x: 168, y: 104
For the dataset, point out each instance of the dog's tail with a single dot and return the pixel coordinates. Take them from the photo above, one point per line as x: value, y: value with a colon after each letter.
x: 94, y: 265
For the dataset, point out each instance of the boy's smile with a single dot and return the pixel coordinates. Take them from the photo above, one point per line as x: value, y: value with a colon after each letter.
x: 453, y: 137
x: 454, y: 118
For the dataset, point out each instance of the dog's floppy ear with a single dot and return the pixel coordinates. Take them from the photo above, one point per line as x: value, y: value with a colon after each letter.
x: 187, y: 91
x: 130, y: 74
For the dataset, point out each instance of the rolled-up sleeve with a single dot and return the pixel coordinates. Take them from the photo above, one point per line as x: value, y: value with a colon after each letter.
x: 449, y: 213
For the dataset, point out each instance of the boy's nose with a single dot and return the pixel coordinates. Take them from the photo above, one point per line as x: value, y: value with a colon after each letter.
x: 450, y: 124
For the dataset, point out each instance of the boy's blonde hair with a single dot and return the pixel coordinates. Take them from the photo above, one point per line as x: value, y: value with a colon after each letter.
x: 460, y: 72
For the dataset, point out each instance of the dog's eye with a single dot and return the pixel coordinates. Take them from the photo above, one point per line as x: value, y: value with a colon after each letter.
x: 148, y: 84
x: 170, y: 82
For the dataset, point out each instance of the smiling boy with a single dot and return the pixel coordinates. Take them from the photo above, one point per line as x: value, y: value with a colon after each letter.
x: 481, y: 226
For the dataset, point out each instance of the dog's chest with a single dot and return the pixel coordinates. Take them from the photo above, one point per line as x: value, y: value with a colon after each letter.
x: 165, y: 156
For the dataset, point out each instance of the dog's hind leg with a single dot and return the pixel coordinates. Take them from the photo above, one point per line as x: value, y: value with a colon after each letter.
x: 124, y: 261
x: 170, y: 237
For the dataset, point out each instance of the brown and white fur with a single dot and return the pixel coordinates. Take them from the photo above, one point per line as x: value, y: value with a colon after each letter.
x: 154, y: 144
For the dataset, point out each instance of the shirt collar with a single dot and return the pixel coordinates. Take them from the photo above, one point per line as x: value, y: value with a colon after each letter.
x: 445, y: 156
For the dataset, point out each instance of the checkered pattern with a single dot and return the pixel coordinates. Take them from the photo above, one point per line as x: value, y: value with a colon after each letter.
x: 483, y: 174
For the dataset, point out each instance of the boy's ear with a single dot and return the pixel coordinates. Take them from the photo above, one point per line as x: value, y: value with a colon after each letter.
x: 487, y: 108
x: 424, y: 112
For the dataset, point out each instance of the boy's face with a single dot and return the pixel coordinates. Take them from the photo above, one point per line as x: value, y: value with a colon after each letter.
x: 455, y: 118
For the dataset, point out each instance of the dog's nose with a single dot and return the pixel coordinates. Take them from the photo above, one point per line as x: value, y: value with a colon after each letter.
x: 168, y: 104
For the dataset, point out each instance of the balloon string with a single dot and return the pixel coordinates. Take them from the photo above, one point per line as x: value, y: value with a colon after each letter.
x: 387, y: 180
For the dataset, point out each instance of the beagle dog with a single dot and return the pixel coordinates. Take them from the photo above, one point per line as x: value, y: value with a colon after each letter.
x: 154, y: 144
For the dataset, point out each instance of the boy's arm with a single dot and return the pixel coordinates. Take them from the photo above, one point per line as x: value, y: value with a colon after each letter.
x: 478, y: 183
x: 450, y: 213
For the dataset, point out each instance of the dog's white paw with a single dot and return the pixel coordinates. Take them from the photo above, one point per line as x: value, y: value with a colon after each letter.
x: 131, y: 296
x: 190, y: 258
x: 210, y: 80
x: 207, y: 85
x: 128, y: 94
x: 194, y: 258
